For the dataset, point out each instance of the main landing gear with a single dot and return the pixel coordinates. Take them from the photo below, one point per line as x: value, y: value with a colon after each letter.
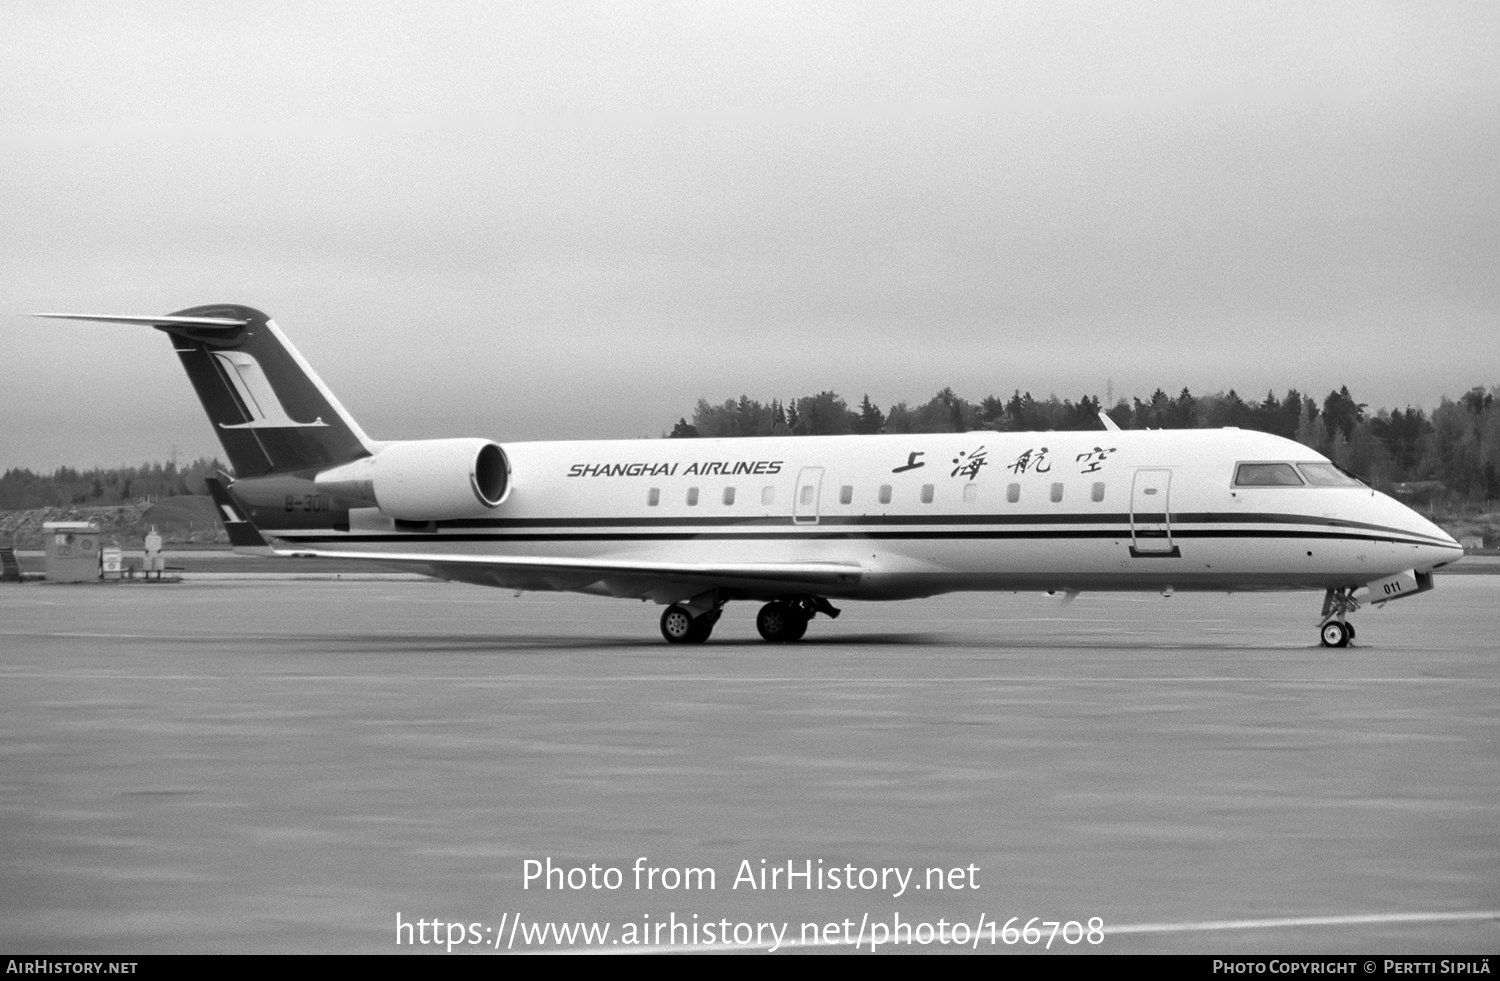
x: 680, y: 627
x: 785, y: 621
x: 1335, y: 630
x: 780, y: 622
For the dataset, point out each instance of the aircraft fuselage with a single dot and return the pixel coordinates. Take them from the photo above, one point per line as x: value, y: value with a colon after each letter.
x: 919, y: 514
x: 795, y: 521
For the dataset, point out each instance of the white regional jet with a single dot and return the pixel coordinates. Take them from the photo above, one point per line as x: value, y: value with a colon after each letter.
x: 793, y: 522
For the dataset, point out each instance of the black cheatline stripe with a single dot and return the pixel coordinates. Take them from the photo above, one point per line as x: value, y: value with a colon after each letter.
x: 948, y: 518
x: 761, y: 521
x: 923, y: 520
x: 858, y: 521
x: 1029, y: 534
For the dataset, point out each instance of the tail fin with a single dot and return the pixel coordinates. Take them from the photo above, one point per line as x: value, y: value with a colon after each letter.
x: 271, y: 411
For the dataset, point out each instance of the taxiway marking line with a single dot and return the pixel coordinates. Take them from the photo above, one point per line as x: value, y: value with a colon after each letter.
x: 998, y: 680
x: 1272, y: 923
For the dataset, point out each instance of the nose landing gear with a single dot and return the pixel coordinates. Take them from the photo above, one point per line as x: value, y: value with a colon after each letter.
x: 1336, y: 634
x: 1335, y: 630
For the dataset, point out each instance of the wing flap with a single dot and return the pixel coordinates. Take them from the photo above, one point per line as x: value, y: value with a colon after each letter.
x: 571, y: 573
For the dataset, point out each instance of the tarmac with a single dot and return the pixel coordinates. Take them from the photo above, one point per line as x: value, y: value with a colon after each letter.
x: 304, y: 764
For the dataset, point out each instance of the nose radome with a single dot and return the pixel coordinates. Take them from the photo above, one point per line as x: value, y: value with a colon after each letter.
x: 1441, y: 534
x: 1443, y: 546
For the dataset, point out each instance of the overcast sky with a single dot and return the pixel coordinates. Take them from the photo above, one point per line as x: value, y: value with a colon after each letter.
x: 552, y: 220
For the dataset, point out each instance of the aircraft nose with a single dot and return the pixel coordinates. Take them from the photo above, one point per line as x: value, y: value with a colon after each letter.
x: 1442, y: 548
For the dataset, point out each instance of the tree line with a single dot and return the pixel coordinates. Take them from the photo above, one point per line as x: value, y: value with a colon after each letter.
x: 22, y: 490
x: 1453, y: 451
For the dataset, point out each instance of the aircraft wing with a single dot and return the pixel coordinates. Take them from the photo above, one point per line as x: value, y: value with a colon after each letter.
x: 813, y: 573
x: 617, y: 577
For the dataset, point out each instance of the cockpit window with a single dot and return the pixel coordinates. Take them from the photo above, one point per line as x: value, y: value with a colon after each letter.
x: 1326, y: 475
x: 1266, y: 475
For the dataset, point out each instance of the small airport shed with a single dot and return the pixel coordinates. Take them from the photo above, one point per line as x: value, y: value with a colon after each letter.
x: 72, y: 551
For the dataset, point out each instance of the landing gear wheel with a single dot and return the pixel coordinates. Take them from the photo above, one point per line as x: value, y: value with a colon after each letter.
x: 1336, y: 630
x: 676, y: 625
x: 781, y: 623
x: 679, y: 626
x: 703, y: 625
x: 771, y: 621
x: 1336, y: 634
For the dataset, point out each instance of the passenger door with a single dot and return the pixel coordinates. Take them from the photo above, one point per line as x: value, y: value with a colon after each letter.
x: 1151, y: 513
x: 805, y: 499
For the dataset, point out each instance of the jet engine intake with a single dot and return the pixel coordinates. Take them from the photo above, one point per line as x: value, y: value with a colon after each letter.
x: 425, y: 479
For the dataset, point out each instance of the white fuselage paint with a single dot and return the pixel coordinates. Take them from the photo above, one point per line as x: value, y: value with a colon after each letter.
x: 966, y: 511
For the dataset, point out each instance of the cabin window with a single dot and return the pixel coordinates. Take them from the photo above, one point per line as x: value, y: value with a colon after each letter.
x: 768, y: 496
x: 885, y: 493
x: 1013, y: 493
x: 653, y: 497
x: 1266, y: 475
x: 1327, y: 475
x: 926, y: 493
x: 729, y: 495
x: 1056, y: 493
x: 805, y: 496
x: 971, y: 493
x: 692, y: 497
x: 1097, y: 492
x: 846, y: 494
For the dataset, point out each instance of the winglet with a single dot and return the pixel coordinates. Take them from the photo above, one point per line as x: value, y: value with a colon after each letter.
x: 242, y: 534
x: 1108, y: 422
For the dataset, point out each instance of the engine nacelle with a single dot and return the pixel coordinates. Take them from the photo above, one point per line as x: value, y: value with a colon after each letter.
x: 425, y: 479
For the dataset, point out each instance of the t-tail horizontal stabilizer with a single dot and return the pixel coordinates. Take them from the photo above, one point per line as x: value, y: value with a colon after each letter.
x: 207, y: 323
x: 270, y: 410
